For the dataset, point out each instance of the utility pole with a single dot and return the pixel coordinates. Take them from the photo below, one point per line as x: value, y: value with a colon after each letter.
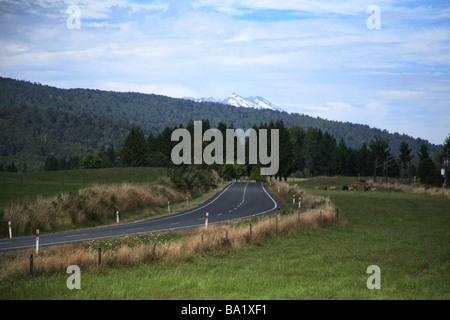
x: 293, y: 169
x: 445, y: 168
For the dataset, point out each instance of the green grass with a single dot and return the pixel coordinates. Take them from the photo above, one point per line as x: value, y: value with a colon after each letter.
x: 20, y: 186
x: 23, y: 189
x: 406, y: 235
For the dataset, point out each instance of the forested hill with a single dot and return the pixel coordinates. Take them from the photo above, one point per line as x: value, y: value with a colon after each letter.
x: 29, y: 135
x: 84, y: 120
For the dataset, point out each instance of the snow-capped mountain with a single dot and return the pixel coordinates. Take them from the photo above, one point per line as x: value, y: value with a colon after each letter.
x: 238, y: 101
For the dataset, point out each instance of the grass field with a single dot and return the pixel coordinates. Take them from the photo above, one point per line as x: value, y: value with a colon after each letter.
x: 67, y: 200
x: 406, y: 235
x: 19, y: 186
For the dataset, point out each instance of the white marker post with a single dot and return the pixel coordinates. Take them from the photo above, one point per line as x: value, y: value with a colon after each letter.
x: 299, y: 202
x: 187, y: 201
x: 206, y: 220
x: 168, y: 206
x: 10, y: 230
x: 117, y: 215
x: 37, y: 241
x: 293, y: 198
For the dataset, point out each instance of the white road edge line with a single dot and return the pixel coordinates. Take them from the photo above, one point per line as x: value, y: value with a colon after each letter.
x: 161, y: 230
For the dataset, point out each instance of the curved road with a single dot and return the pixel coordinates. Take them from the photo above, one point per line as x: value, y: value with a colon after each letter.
x: 236, y: 201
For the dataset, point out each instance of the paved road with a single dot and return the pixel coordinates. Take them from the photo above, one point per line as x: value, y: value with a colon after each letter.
x: 236, y: 201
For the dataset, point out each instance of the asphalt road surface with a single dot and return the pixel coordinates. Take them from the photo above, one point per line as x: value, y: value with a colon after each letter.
x: 238, y: 200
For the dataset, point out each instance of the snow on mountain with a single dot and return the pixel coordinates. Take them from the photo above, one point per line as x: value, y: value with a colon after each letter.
x: 238, y: 101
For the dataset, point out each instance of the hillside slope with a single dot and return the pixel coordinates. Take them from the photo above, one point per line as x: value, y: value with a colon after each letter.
x: 112, y: 114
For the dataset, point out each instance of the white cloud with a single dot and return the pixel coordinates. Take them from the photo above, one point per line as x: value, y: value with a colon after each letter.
x: 168, y: 89
x: 399, y: 94
x: 345, y: 112
x: 321, y: 59
x: 11, y: 47
x: 343, y: 7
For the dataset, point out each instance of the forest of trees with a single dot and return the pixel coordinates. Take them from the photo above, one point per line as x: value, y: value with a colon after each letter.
x: 153, y: 113
x: 47, y: 128
x: 303, y: 153
x: 28, y: 136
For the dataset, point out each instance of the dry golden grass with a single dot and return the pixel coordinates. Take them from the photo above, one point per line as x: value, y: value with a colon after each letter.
x: 216, y: 239
x: 419, y: 189
x: 95, y: 203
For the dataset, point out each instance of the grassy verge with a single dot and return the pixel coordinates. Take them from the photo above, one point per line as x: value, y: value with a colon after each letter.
x: 16, y: 187
x: 405, y: 234
x: 177, y: 246
x: 66, y: 200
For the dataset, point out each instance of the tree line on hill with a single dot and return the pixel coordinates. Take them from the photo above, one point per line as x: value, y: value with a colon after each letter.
x: 77, y: 121
x: 303, y: 153
x: 28, y: 136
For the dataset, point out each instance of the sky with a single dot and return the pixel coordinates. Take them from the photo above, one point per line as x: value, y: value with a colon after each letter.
x: 385, y: 64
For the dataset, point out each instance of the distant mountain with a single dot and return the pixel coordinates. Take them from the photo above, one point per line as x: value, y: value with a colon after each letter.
x: 38, y: 120
x: 238, y: 101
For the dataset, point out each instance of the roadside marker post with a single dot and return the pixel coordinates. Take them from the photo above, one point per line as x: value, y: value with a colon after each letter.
x: 206, y: 220
x: 37, y: 241
x: 168, y: 206
x: 293, y: 198
x: 299, y: 202
x: 10, y: 230
x: 117, y: 214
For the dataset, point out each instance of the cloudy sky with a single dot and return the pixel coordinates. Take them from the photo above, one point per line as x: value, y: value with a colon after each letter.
x: 338, y: 60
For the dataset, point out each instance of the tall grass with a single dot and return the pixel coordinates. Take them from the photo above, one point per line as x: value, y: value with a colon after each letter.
x: 88, y: 206
x: 406, y: 235
x: 419, y: 189
x: 216, y: 239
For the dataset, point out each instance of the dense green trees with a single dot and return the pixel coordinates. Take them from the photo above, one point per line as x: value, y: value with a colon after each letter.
x: 302, y: 153
x: 405, y: 161
x: 43, y: 127
x: 134, y: 150
x: 426, y: 170
x: 305, y: 153
x: 73, y: 122
x: 38, y: 137
x: 91, y: 161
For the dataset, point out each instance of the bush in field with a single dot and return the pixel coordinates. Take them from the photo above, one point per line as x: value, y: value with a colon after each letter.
x: 192, y: 178
x: 91, y: 161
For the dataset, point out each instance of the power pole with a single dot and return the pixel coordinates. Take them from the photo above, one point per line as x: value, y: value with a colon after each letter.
x: 445, y: 168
